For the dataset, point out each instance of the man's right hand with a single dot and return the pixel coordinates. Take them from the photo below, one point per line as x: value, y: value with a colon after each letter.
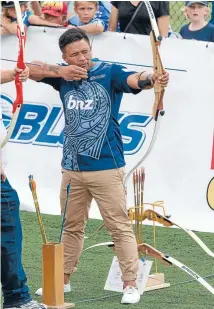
x: 72, y: 72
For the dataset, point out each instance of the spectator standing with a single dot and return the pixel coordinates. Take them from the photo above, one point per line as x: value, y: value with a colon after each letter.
x: 86, y: 10
x: 13, y: 278
x: 123, y: 11
x: 9, y: 20
x: 198, y: 28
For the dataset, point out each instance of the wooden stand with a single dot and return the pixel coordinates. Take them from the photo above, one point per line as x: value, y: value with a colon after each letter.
x: 53, y: 276
x: 155, y: 282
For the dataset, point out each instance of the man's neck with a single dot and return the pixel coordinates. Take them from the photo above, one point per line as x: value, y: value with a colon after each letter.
x: 197, y: 25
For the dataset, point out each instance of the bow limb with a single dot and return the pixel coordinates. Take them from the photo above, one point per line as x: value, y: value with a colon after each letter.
x: 154, y: 216
x: 21, y: 34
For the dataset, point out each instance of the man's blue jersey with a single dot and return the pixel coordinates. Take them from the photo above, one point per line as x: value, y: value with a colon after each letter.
x: 92, y: 138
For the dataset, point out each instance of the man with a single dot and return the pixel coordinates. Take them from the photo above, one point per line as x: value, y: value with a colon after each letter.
x: 93, y: 160
x: 15, y: 290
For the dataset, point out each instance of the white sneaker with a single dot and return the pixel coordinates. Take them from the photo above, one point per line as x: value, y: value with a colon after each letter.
x: 131, y: 295
x: 67, y: 289
x: 30, y: 305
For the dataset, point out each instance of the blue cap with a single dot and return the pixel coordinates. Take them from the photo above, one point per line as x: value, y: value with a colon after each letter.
x: 189, y: 3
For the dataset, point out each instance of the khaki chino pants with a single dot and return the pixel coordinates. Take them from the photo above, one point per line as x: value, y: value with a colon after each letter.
x: 106, y: 187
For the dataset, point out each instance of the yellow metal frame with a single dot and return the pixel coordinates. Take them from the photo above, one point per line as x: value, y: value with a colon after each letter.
x: 138, y: 213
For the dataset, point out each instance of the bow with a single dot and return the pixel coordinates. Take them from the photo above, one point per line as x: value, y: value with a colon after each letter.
x: 165, y: 259
x: 157, y: 110
x: 170, y: 261
x: 21, y: 34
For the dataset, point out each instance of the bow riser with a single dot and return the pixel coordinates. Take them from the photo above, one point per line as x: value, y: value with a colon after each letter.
x: 21, y: 65
x: 158, y: 69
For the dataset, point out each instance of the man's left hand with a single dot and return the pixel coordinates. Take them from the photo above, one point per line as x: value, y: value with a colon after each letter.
x: 162, y: 80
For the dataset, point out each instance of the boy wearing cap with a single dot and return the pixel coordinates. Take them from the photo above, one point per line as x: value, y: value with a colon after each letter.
x: 9, y: 19
x: 86, y: 11
x: 198, y: 28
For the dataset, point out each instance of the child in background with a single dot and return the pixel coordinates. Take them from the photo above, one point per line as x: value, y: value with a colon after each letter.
x: 198, y: 28
x: 9, y: 20
x: 86, y: 11
x: 103, y: 12
x: 55, y: 11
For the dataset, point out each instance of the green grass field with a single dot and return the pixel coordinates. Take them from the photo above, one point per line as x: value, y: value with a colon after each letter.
x: 89, y: 280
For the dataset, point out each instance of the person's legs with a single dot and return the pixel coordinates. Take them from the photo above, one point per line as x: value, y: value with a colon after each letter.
x: 13, y: 277
x: 108, y: 190
x: 79, y: 202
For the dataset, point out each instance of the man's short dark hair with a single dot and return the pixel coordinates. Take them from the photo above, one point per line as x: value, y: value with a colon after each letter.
x: 71, y: 36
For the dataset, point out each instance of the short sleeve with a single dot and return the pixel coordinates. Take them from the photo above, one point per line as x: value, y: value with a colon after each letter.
x: 184, y: 30
x: 181, y: 31
x: 54, y: 82
x: 163, y: 9
x: 119, y: 75
x: 26, y: 18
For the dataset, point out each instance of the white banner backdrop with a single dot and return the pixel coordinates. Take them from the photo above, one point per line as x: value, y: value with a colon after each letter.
x: 179, y: 168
